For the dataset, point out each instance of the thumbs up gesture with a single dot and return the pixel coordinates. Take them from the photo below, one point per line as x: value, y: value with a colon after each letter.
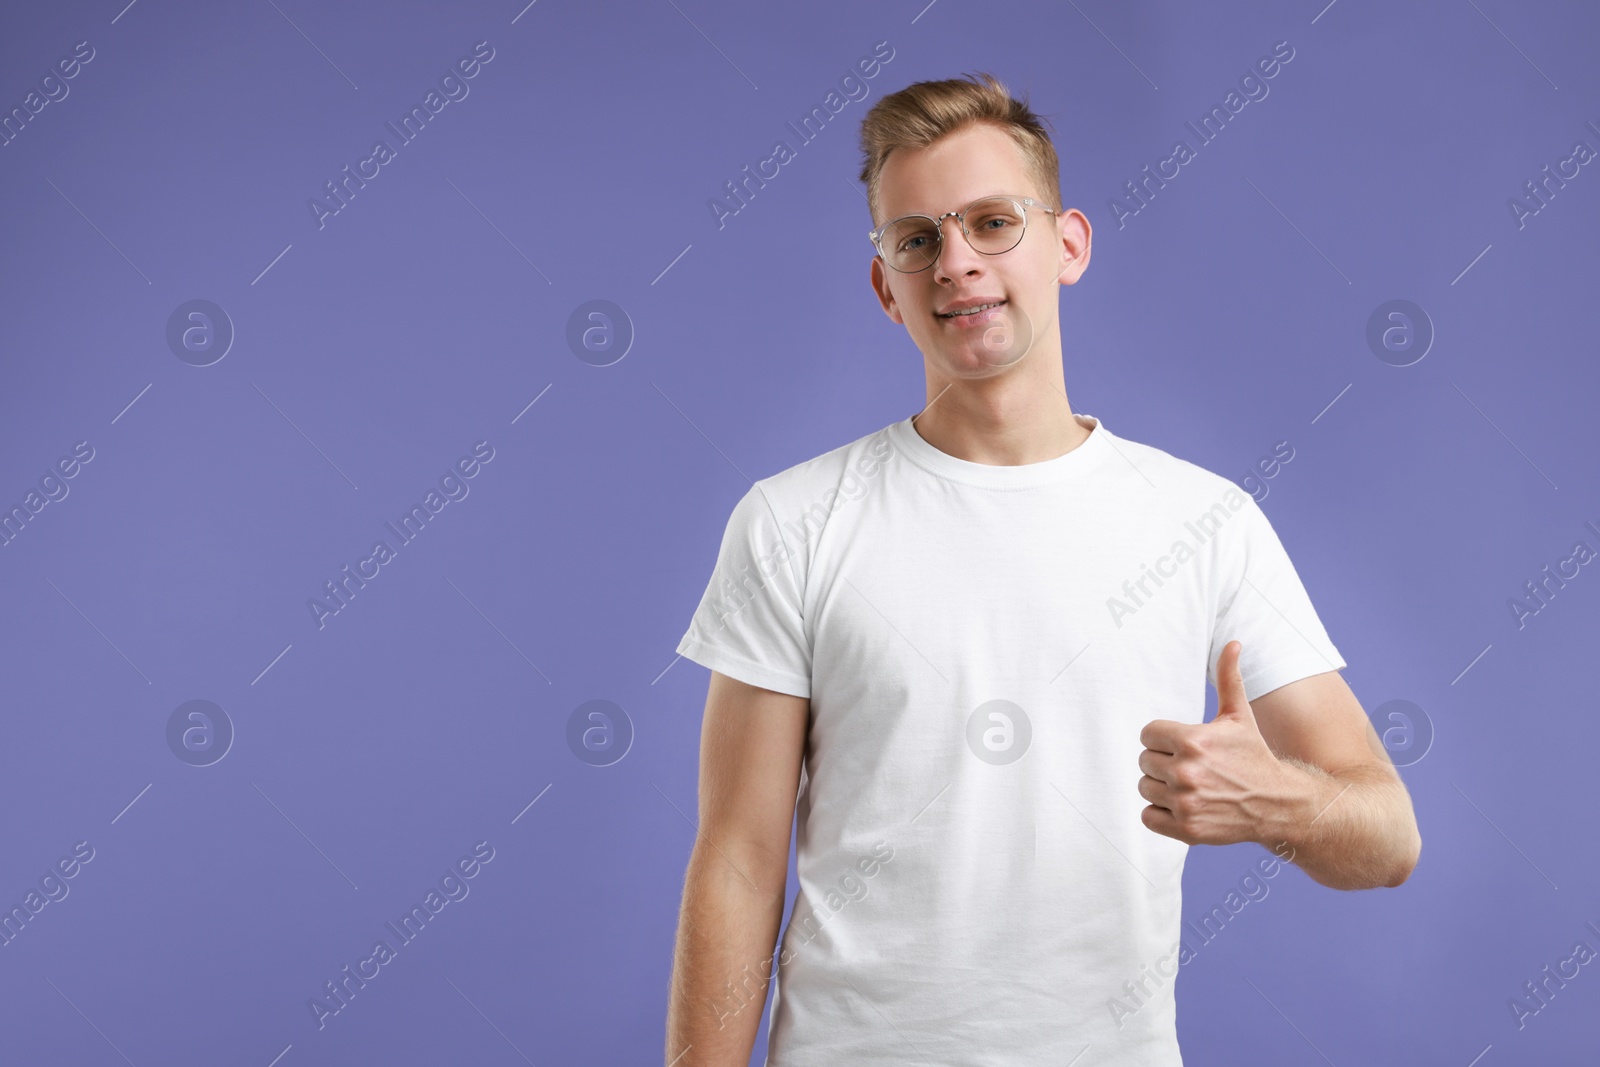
x: 1214, y: 783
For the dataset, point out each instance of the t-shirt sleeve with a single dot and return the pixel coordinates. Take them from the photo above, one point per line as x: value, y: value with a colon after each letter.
x: 749, y: 624
x: 1263, y: 605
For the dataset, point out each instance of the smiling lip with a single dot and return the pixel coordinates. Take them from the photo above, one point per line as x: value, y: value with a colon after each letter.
x: 977, y: 319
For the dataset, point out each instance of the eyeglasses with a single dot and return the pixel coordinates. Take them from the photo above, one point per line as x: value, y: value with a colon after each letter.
x: 912, y: 243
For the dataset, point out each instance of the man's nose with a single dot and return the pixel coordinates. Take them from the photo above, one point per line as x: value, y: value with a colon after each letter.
x: 955, y: 253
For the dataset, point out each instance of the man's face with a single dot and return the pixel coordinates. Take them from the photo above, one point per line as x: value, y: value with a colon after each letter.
x: 948, y: 175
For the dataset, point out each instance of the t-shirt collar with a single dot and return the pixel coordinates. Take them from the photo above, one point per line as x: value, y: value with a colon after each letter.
x: 1072, y: 464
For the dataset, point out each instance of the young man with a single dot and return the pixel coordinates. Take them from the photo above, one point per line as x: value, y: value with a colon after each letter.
x: 973, y: 643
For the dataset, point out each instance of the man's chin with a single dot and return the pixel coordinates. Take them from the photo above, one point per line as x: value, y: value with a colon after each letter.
x: 974, y: 362
x: 981, y: 353
x: 1002, y: 344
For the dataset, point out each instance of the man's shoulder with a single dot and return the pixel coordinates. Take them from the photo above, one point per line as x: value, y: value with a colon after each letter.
x: 808, y: 482
x: 1183, y: 482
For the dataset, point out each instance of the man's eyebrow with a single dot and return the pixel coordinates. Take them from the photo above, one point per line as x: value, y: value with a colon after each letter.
x: 964, y: 206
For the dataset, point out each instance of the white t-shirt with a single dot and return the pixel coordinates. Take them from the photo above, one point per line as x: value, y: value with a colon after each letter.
x: 981, y: 646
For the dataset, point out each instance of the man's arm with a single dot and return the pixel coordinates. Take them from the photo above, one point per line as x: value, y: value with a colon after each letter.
x: 752, y: 742
x: 1349, y: 821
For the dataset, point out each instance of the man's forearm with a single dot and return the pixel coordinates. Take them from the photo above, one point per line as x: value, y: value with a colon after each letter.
x: 1353, y: 830
x: 727, y: 929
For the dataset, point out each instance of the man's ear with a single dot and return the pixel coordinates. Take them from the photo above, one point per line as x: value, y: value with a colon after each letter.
x: 880, y: 286
x: 1075, y: 233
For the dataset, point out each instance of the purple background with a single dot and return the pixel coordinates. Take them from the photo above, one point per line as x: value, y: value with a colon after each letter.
x: 370, y: 354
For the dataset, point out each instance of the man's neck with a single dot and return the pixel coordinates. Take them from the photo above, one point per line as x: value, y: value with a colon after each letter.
x: 1003, y: 421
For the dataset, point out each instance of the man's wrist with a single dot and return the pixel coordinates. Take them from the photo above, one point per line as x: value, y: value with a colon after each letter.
x: 1302, y: 795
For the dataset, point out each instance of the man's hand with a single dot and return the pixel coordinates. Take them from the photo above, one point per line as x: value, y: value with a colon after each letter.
x: 1215, y: 783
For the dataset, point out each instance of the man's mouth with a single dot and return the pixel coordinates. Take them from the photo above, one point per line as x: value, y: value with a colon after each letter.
x: 974, y: 320
x: 978, y: 310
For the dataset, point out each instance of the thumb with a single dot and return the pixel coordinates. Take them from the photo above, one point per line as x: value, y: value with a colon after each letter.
x: 1231, y: 702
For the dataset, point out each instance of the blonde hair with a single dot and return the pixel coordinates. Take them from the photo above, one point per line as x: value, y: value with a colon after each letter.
x: 924, y: 112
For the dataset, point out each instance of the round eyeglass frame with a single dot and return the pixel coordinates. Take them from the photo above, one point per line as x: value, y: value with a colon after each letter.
x: 1022, y: 204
